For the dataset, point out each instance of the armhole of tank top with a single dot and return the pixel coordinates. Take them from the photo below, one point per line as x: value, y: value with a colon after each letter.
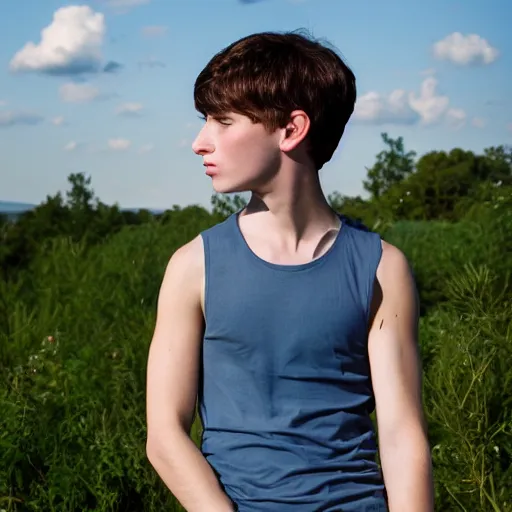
x: 206, y: 251
x: 376, y: 255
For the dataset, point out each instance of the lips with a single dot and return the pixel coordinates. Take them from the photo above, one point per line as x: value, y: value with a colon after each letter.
x: 210, y: 168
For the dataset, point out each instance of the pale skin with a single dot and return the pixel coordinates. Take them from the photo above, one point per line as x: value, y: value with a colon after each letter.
x: 287, y: 221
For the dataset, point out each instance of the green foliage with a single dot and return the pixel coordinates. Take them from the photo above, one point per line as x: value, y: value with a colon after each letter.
x: 78, y: 292
x: 393, y: 166
x: 469, y: 414
x: 438, y: 249
x: 73, y: 374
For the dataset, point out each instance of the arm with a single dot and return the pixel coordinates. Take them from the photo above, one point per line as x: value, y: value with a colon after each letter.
x: 396, y: 376
x: 172, y: 375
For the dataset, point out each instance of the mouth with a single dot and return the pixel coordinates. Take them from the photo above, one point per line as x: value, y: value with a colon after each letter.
x: 210, y: 169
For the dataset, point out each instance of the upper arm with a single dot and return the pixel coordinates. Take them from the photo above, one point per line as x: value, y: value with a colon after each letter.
x: 173, y: 359
x: 393, y: 345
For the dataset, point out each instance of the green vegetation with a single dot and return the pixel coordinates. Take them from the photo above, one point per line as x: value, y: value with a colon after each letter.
x: 78, y: 288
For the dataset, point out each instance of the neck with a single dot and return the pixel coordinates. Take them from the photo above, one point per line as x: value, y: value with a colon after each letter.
x: 294, y: 206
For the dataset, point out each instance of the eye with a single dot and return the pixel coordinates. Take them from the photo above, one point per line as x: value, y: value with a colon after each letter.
x: 203, y: 118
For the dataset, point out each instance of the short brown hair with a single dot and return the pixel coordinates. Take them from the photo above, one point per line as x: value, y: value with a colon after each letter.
x: 266, y: 76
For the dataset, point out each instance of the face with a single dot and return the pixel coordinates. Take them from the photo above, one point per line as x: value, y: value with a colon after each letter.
x: 242, y: 155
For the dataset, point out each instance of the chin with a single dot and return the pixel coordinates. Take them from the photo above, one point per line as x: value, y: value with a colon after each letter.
x: 229, y: 188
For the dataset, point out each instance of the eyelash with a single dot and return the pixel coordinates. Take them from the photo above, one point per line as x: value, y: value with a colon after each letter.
x: 219, y: 120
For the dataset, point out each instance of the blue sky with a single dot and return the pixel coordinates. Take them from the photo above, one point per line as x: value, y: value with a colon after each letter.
x: 118, y: 104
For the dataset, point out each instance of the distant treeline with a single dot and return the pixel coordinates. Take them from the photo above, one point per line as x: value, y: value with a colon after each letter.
x: 437, y: 186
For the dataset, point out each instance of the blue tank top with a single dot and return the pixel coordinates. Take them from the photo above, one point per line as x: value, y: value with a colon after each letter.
x: 285, y: 392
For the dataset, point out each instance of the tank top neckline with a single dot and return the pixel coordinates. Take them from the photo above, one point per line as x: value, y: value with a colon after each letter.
x: 291, y: 267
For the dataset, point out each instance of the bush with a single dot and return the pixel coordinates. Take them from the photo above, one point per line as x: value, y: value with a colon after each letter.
x: 75, y: 328
x: 469, y: 412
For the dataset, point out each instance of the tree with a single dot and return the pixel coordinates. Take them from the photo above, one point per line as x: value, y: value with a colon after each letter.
x: 393, y: 166
x: 224, y: 205
x: 80, y: 195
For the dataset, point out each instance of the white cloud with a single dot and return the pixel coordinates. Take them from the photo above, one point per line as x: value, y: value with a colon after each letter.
x: 402, y: 107
x: 10, y: 118
x: 429, y: 106
x: 3, y: 103
x: 465, y: 49
x: 71, y: 44
x: 509, y: 127
x: 119, y: 144
x: 379, y: 109
x: 78, y: 93
x: 183, y: 143
x: 146, y: 148
x: 154, y: 30
x: 129, y: 109
x: 71, y: 146
x: 58, y: 121
x: 456, y: 117
x: 478, y: 122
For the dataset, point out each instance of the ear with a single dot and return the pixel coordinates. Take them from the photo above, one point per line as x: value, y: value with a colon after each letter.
x: 295, y: 131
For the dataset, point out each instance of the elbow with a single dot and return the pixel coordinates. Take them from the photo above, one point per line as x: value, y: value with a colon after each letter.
x: 405, y: 436
x: 153, y: 450
x: 159, y: 442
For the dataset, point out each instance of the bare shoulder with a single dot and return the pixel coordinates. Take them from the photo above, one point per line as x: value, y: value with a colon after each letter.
x: 185, y: 268
x: 393, y: 263
x: 395, y: 295
x: 188, y: 258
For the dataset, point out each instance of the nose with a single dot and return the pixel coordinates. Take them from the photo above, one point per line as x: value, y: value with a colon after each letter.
x: 201, y: 144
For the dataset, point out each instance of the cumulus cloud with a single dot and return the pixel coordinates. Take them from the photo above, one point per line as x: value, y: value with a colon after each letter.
x: 376, y: 108
x: 71, y: 44
x: 401, y: 107
x: 78, y: 93
x: 465, y: 49
x: 129, y: 110
x: 154, y: 30
x: 119, y: 144
x: 10, y: 118
x: 428, y: 104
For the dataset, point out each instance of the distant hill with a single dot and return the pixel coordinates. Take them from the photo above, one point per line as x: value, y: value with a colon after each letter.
x: 14, y: 209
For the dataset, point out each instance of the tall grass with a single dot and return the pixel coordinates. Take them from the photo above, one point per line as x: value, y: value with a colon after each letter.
x: 74, y: 336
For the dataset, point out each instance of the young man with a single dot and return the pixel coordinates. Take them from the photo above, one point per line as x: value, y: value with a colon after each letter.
x: 287, y: 323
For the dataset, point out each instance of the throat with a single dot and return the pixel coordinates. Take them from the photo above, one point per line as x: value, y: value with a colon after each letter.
x: 271, y: 250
